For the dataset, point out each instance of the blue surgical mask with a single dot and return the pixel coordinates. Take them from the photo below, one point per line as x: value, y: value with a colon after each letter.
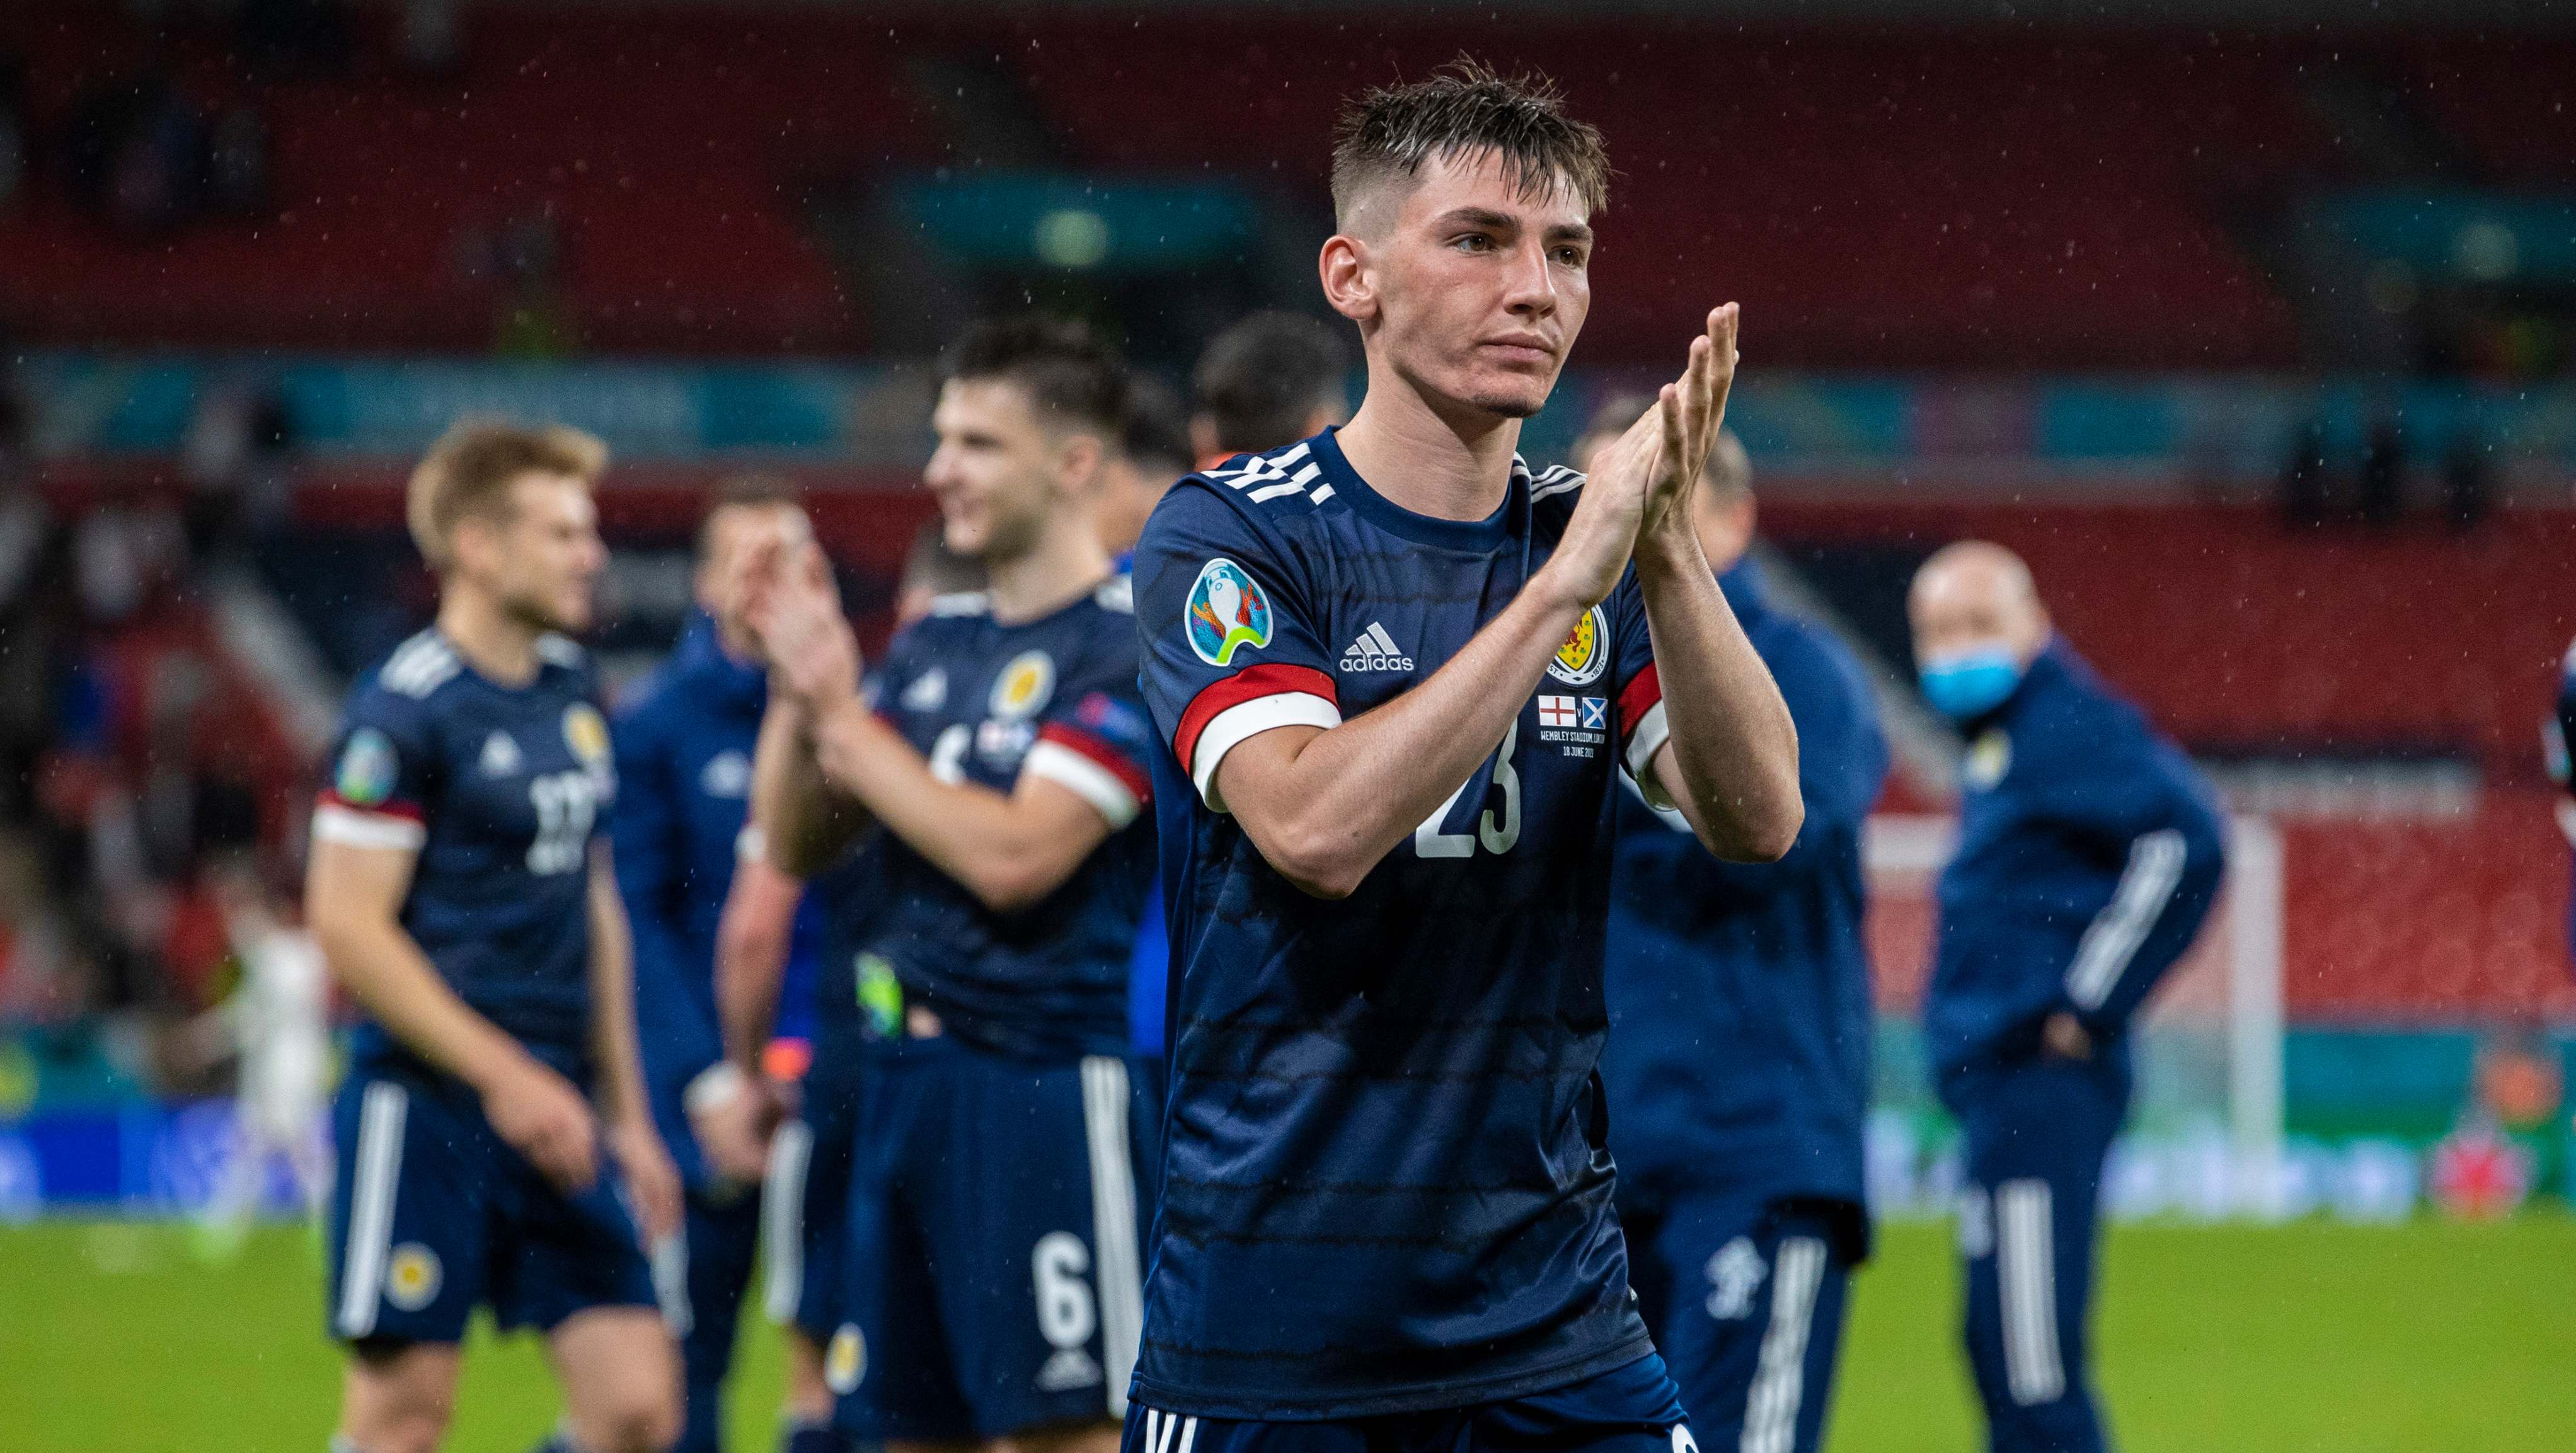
x: 1967, y: 684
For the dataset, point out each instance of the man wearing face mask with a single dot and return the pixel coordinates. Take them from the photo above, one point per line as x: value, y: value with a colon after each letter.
x: 2089, y: 852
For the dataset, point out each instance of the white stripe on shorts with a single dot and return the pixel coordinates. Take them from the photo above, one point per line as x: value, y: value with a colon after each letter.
x: 1159, y: 1427
x: 371, y: 1206
x: 2026, y: 1277
x: 1113, y: 1224
x: 782, y: 1220
x: 1779, y: 1380
x: 670, y: 1260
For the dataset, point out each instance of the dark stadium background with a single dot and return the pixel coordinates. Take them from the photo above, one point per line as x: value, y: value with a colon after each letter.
x: 2252, y: 325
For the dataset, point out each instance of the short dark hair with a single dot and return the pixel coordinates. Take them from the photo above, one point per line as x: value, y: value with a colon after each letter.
x: 1158, y: 428
x: 1466, y: 109
x: 1261, y: 379
x: 1067, y: 371
x: 469, y: 471
x: 737, y: 491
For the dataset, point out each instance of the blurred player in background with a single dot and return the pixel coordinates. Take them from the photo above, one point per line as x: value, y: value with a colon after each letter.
x: 459, y: 892
x: 1399, y: 677
x: 993, y: 1277
x: 1738, y: 1063
x: 807, y: 1160
x: 277, y: 1021
x: 684, y: 747
x: 2089, y: 852
x: 1266, y: 382
x: 1153, y: 450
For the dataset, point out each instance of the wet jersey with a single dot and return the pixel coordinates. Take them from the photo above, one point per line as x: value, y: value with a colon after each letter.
x: 499, y: 789
x: 987, y: 702
x: 1386, y: 1185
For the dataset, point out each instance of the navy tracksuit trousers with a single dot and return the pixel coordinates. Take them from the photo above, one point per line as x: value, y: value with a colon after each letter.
x: 2037, y: 1134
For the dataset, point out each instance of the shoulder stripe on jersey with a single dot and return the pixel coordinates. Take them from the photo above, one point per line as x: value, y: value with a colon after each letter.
x: 419, y: 666
x: 1248, y: 464
x: 1293, y: 484
x: 334, y: 823
x: 1560, y: 480
x: 1264, y: 478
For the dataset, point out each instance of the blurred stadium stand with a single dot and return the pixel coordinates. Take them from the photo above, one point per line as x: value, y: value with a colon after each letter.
x: 743, y: 179
x: 2082, y: 288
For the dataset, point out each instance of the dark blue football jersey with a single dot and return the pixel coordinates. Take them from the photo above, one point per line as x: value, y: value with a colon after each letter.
x: 500, y: 790
x: 987, y: 702
x: 1386, y: 1185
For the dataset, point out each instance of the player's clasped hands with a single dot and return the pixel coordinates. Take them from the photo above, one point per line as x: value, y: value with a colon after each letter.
x: 1652, y: 468
x: 795, y: 609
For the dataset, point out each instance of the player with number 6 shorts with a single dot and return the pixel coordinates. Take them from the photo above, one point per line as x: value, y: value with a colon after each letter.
x: 991, y: 1275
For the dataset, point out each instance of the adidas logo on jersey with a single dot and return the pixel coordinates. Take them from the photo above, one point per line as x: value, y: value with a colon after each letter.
x: 1375, y: 651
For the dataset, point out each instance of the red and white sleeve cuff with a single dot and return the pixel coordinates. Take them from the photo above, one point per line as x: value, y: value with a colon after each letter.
x: 1641, y: 717
x: 1244, y: 705
x: 393, y: 826
x: 1092, y: 770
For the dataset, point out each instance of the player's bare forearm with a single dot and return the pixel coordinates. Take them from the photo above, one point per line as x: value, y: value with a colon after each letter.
x: 612, y: 997
x: 1731, y: 763
x: 805, y: 822
x: 353, y: 896
x: 752, y: 938
x: 1009, y: 851
x: 1325, y: 806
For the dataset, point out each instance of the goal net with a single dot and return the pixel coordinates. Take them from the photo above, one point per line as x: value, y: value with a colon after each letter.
x: 2204, y: 1133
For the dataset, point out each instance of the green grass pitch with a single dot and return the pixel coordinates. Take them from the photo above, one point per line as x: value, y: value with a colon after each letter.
x: 2421, y: 1338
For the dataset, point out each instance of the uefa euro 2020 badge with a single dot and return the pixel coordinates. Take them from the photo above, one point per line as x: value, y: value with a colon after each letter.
x: 1228, y: 611
x: 365, y: 776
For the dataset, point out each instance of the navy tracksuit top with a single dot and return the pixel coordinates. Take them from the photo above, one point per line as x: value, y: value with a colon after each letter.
x: 2089, y: 852
x: 1738, y: 1061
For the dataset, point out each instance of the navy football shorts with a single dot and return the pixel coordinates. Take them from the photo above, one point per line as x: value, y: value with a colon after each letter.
x: 1630, y: 1409
x: 431, y: 1213
x: 991, y: 1279
x: 805, y: 1210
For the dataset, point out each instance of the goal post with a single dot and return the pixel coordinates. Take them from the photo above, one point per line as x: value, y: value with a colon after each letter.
x: 2205, y: 1128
